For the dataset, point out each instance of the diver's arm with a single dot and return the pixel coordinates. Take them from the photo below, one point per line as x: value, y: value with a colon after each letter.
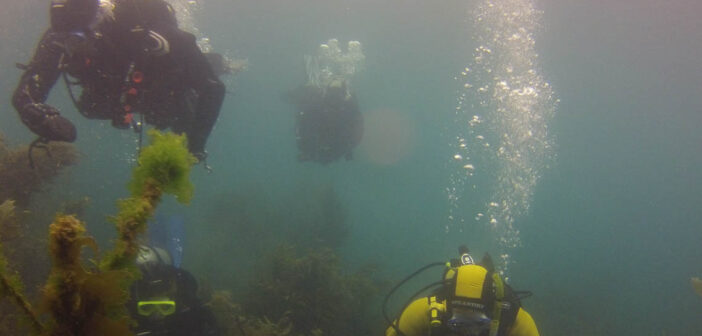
x: 33, y: 90
x: 414, y: 320
x: 210, y: 97
x: 524, y: 325
x: 41, y: 73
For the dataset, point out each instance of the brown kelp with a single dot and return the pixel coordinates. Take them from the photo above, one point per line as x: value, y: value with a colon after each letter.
x: 89, y: 300
x: 80, y: 300
x: 19, y: 180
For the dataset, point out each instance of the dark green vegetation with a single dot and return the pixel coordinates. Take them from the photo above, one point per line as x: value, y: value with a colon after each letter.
x: 283, y: 263
x: 19, y: 181
x: 314, y: 293
x: 307, y: 294
x: 89, y: 299
x: 288, y: 278
x: 24, y: 246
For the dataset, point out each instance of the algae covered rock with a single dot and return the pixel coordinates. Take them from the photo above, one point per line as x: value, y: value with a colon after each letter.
x: 19, y: 180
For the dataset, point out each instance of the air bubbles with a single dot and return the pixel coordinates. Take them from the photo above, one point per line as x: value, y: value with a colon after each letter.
x: 475, y: 121
x: 469, y: 169
x: 512, y: 105
x: 525, y: 91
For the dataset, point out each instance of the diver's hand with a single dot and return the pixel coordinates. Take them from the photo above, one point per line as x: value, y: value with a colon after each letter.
x: 46, y: 122
x: 201, y: 156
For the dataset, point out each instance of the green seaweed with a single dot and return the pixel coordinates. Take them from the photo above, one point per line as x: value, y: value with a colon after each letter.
x: 166, y: 163
x: 84, y: 300
x: 164, y: 167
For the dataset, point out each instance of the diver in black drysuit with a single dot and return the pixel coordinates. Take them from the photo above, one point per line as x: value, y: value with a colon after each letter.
x: 134, y: 61
x: 329, y: 124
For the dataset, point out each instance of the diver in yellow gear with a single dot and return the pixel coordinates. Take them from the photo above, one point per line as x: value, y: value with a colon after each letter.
x: 472, y: 301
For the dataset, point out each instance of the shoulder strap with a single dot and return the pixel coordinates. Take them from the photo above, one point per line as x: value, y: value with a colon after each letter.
x: 495, y: 324
x: 509, y: 315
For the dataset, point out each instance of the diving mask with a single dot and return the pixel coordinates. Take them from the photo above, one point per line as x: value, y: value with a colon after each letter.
x: 467, y: 322
x: 163, y: 307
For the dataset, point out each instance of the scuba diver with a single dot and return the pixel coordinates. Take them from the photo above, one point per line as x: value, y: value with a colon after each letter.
x: 471, y: 300
x: 164, y: 301
x: 329, y: 124
x: 133, y: 64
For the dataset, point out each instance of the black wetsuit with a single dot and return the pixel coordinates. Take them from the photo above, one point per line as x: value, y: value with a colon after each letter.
x: 191, y: 317
x: 329, y: 124
x: 137, y: 61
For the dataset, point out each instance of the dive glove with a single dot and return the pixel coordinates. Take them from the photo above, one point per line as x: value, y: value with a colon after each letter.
x: 201, y: 156
x: 46, y: 122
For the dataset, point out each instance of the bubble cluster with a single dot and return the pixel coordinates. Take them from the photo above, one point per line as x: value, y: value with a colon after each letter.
x: 185, y: 14
x: 506, y: 102
x: 331, y: 63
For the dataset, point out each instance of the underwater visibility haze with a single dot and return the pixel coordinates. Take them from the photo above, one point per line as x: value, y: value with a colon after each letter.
x: 562, y: 137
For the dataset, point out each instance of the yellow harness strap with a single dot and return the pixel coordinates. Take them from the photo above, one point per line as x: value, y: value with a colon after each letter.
x: 497, y: 309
